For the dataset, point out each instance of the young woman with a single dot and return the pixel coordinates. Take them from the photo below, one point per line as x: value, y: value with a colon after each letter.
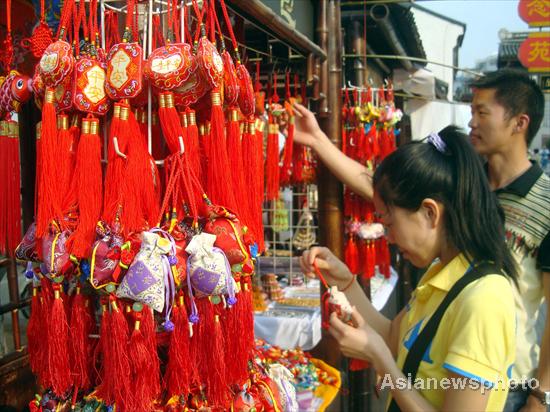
x: 434, y: 200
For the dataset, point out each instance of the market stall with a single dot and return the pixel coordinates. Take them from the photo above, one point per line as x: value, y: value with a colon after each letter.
x: 165, y: 204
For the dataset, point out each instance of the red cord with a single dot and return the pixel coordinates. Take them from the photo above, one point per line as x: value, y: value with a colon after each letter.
x: 7, y: 53
x: 320, y: 275
x: 65, y: 18
x: 199, y: 14
x: 287, y: 86
x: 228, y: 24
x: 275, y: 96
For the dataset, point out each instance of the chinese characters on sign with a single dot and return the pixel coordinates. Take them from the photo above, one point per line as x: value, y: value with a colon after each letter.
x: 287, y: 8
x: 534, y: 52
x: 535, y: 12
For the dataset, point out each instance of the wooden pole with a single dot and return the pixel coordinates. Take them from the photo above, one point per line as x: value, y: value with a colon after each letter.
x: 256, y: 11
x: 329, y: 117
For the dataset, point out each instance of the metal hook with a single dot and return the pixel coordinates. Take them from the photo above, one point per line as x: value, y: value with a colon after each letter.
x: 182, y: 146
x: 117, y: 149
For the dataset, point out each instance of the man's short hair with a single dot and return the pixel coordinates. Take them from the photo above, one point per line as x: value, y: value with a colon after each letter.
x: 518, y: 94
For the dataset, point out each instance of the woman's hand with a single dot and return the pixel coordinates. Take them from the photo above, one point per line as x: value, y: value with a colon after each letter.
x: 333, y: 269
x: 306, y: 128
x: 359, y: 341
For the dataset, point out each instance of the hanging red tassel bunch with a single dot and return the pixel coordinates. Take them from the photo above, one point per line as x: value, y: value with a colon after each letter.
x: 368, y: 137
x: 98, y: 204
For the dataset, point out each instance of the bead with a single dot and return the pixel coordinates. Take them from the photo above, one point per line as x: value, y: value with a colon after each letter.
x: 168, y: 326
x: 232, y: 300
x: 254, y: 250
x: 85, y: 267
x: 137, y: 307
x: 29, y: 274
x: 194, y: 318
x: 173, y: 260
x: 110, y: 288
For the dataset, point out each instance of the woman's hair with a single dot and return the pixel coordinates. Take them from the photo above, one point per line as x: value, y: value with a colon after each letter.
x: 452, y: 174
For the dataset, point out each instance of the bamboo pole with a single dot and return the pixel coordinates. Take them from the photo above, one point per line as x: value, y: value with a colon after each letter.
x: 329, y: 116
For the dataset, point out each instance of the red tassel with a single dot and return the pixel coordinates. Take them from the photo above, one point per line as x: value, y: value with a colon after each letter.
x: 252, y: 151
x: 49, y: 202
x: 179, y: 370
x: 235, y: 158
x: 105, y: 388
x: 46, y: 300
x: 66, y: 161
x: 375, y: 136
x: 351, y: 255
x: 81, y: 325
x: 272, y: 162
x: 4, y: 179
x: 169, y: 122
x: 218, y: 161
x: 142, y: 177
x: 217, y: 389
x: 236, y: 350
x: 210, y: 356
x: 159, y: 146
x: 58, y: 345
x: 192, y: 145
x: 299, y: 153
x: 89, y: 188
x: 257, y: 149
x: 385, y: 144
x: 174, y: 134
x: 12, y: 179
x: 114, y: 175
x: 115, y: 387
x: 144, y: 362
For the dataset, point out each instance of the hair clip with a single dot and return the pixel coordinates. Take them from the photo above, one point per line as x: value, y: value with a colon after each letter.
x: 437, y: 142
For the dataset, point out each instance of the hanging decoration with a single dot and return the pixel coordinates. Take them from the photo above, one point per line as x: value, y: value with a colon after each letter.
x: 15, y: 90
x: 369, y: 118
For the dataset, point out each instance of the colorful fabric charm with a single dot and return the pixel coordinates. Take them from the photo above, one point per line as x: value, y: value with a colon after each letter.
x: 144, y: 280
x: 208, y: 270
x: 125, y: 63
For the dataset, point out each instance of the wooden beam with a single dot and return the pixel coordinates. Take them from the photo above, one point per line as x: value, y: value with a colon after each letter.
x: 258, y: 13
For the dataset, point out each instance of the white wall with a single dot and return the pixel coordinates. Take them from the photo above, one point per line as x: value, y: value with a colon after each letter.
x: 543, y: 135
x: 439, y: 38
x: 432, y: 116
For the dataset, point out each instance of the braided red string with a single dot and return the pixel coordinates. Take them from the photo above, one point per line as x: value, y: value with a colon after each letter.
x: 64, y: 21
x: 320, y: 276
x: 216, y: 21
x: 199, y: 14
x: 228, y: 24
x: 275, y: 96
x: 6, y: 56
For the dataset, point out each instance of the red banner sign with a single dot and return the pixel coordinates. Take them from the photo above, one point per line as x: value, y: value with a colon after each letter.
x: 534, y: 52
x: 535, y: 12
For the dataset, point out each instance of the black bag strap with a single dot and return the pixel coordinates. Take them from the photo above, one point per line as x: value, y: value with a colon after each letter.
x: 420, y: 345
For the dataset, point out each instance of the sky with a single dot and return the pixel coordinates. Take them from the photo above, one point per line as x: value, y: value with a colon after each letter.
x: 483, y: 19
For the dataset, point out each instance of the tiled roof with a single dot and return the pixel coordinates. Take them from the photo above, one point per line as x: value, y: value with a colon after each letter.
x: 508, y: 50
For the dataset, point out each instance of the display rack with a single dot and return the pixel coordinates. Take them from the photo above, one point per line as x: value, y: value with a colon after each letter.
x: 282, y: 253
